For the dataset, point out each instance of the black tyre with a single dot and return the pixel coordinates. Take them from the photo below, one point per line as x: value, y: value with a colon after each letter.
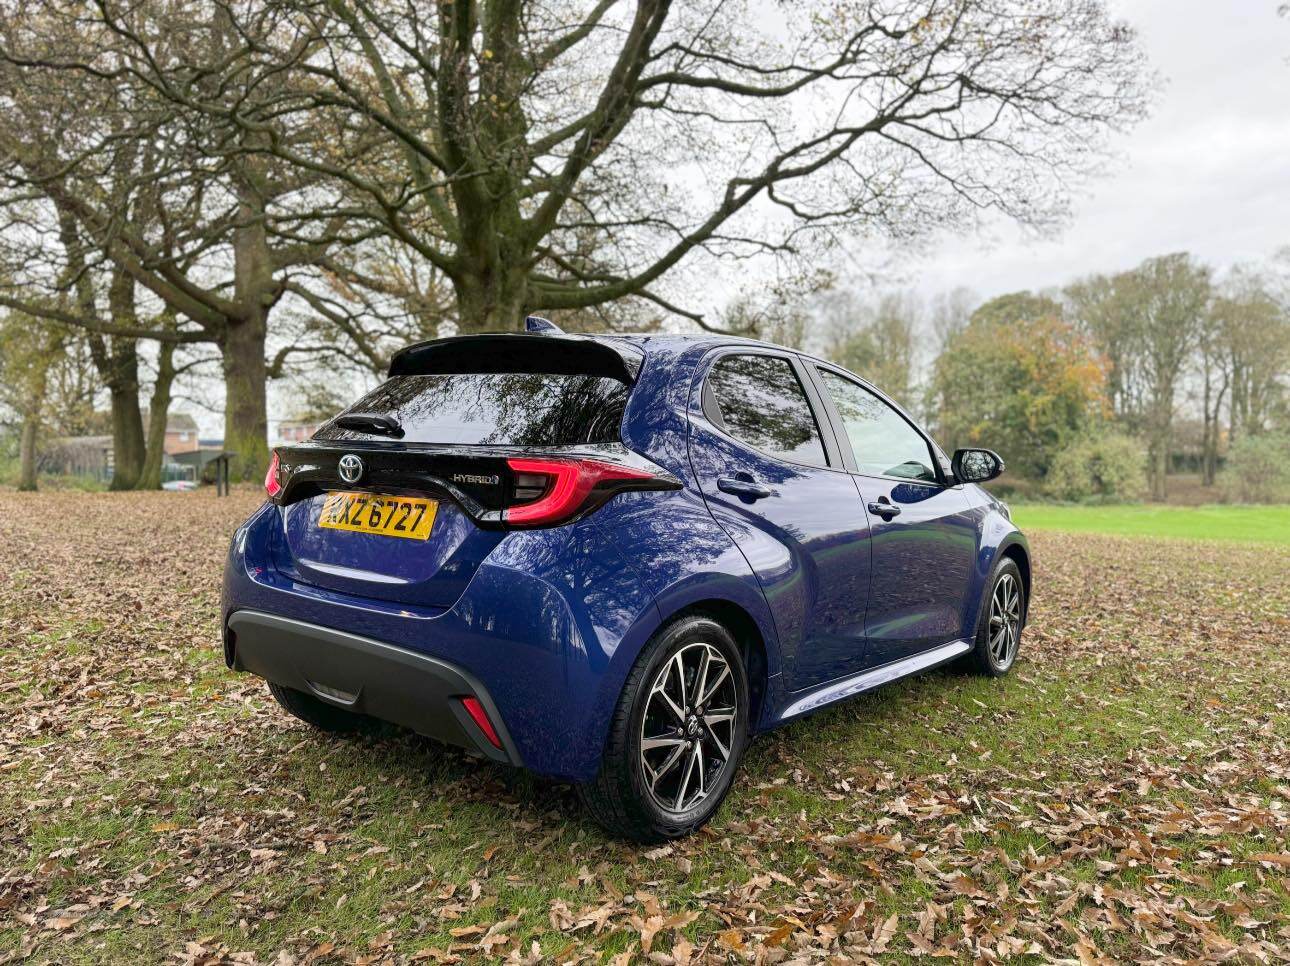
x: 320, y: 714
x: 1003, y: 617
x: 676, y: 737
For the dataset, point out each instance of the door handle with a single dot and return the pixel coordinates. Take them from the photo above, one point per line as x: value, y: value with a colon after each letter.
x: 884, y: 509
x: 744, y: 489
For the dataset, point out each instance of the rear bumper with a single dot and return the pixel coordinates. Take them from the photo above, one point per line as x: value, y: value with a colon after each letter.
x: 367, y: 676
x: 546, y: 629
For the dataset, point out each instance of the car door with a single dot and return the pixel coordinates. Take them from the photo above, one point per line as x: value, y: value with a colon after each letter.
x: 924, y: 536
x: 772, y: 475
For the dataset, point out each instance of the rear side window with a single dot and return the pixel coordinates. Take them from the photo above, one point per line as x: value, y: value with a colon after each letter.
x: 496, y: 409
x: 760, y: 402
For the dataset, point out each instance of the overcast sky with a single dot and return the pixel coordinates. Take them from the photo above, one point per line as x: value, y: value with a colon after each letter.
x: 1209, y: 173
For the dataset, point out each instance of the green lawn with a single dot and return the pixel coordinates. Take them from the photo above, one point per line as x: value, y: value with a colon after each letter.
x: 1245, y: 524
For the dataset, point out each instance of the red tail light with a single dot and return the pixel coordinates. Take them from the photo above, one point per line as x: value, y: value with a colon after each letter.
x: 569, y: 485
x: 480, y: 717
x: 271, y: 484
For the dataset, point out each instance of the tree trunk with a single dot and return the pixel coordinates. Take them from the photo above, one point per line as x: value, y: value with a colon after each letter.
x: 118, y: 365
x: 491, y: 300
x: 35, y: 402
x: 1237, y: 407
x: 1209, y: 459
x: 27, y: 452
x: 127, y: 436
x: 1159, y: 423
x: 158, y: 415
x: 117, y: 360
x: 246, y: 421
x: 1157, y: 469
x: 1209, y: 431
x: 1209, y: 451
x: 1213, y: 428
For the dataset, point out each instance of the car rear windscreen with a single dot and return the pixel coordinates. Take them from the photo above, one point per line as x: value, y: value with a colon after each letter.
x: 496, y: 408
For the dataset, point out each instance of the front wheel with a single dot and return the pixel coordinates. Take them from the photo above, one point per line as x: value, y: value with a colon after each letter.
x: 676, y: 736
x: 1003, y: 615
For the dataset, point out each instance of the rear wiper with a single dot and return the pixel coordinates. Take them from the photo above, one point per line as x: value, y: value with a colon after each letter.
x: 376, y: 423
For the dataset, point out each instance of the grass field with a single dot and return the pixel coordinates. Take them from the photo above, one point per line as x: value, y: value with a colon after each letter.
x: 1124, y: 794
x: 1241, y: 524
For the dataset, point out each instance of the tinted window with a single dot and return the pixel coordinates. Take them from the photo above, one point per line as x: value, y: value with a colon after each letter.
x: 499, y: 408
x: 884, y: 443
x: 761, y: 402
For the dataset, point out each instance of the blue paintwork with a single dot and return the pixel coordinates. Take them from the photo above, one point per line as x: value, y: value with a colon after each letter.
x: 551, y: 621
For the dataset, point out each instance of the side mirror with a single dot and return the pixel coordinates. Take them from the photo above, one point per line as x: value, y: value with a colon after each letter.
x: 976, y: 465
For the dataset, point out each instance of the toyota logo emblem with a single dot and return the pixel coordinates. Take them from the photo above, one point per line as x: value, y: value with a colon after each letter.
x: 351, y: 468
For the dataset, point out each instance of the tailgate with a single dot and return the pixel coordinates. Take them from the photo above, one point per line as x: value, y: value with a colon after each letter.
x: 465, y: 492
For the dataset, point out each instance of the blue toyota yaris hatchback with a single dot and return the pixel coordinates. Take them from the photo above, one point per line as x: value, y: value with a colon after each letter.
x: 611, y: 560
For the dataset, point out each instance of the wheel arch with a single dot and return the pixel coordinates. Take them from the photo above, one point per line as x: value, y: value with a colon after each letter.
x: 996, y: 546
x: 1016, y: 549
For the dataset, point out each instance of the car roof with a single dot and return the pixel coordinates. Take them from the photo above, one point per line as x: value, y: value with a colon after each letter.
x: 677, y: 340
x: 703, y: 341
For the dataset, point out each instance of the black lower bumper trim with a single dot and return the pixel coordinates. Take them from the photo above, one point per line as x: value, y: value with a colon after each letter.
x: 367, y: 676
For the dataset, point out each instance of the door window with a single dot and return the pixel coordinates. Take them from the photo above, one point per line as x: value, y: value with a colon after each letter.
x: 760, y: 401
x: 884, y: 442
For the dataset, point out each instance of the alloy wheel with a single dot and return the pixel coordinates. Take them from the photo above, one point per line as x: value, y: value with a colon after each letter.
x: 687, y: 730
x: 1005, y: 620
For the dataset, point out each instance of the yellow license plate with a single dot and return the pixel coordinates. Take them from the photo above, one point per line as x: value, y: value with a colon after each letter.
x: 390, y: 516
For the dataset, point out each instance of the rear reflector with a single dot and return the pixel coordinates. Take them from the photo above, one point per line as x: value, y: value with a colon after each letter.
x: 480, y: 717
x: 568, y: 484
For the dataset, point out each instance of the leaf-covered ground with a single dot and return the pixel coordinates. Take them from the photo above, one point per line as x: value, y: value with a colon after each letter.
x: 1124, y: 794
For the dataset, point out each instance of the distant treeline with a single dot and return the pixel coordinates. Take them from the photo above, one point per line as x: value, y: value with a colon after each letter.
x: 1084, y: 389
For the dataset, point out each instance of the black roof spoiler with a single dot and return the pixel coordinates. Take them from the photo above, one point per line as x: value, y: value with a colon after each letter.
x: 514, y: 352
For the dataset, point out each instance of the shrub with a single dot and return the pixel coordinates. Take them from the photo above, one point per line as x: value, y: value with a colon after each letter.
x: 1103, y: 468
x: 1026, y: 389
x: 1017, y: 489
x: 1258, y: 470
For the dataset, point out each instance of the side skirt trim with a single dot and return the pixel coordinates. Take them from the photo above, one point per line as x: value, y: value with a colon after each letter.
x: 873, y: 678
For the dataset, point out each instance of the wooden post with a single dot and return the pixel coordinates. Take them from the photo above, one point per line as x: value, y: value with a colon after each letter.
x: 223, y: 486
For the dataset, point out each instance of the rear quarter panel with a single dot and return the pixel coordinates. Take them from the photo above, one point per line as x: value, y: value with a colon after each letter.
x: 671, y: 539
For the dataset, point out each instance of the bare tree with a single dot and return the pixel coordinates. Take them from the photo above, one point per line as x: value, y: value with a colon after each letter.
x: 876, y: 341
x: 1165, y: 300
x: 1215, y: 380
x: 116, y: 196
x: 1256, y: 336
x: 1099, y: 305
x: 782, y: 321
x: 558, y: 156
x: 27, y: 364
x: 949, y: 313
x: 1163, y: 320
x: 51, y: 272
